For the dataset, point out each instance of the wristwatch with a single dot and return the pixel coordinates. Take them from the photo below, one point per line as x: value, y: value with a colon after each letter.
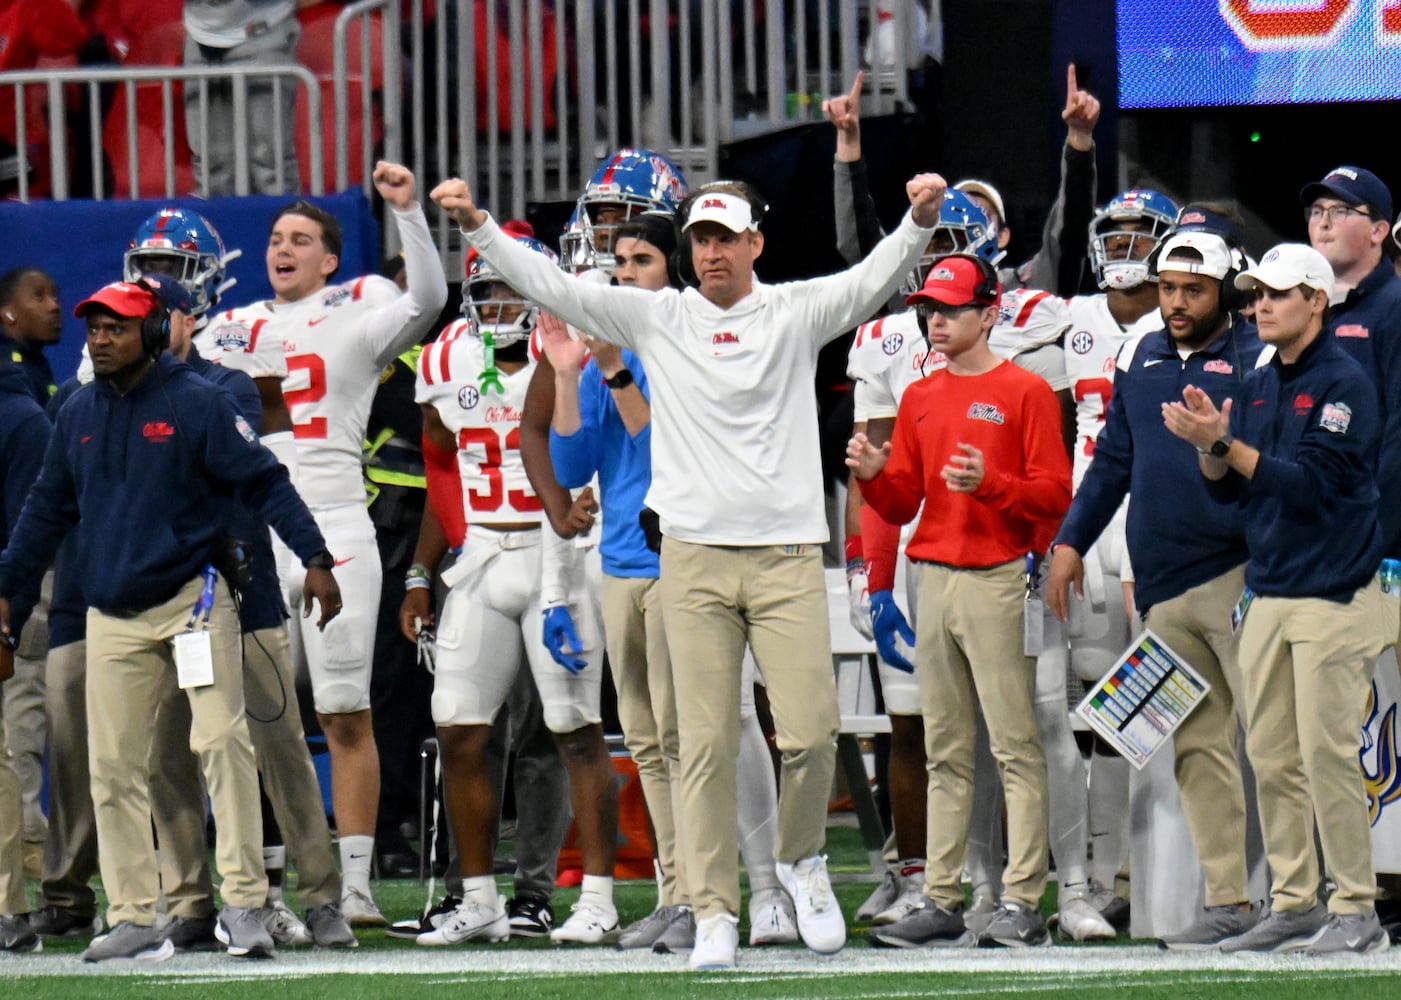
x: 322, y: 560
x: 620, y: 381
x: 1220, y: 446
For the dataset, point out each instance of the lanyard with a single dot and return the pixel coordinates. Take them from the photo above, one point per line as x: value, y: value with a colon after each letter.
x: 205, y: 605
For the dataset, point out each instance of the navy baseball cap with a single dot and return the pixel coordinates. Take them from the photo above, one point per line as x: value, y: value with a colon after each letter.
x: 1352, y: 186
x: 177, y: 296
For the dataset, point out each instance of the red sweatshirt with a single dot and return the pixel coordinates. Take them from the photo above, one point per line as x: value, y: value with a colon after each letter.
x: 1013, y: 417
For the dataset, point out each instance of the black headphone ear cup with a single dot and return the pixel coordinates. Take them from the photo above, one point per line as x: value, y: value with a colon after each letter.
x: 155, y: 330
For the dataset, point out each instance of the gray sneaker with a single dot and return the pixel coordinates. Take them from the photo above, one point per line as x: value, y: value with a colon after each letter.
x: 191, y: 933
x: 1359, y: 932
x: 883, y: 898
x: 241, y: 930
x: 144, y: 943
x: 644, y: 933
x: 1015, y: 926
x: 16, y: 935
x: 928, y: 926
x: 1280, y: 930
x: 283, y: 926
x: 328, y: 928
x: 679, y: 938
x: 1216, y: 924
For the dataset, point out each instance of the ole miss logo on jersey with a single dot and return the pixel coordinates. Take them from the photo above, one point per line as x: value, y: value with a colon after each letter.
x: 1303, y: 404
x: 988, y: 412
x: 339, y: 296
x: 1218, y: 366
x: 157, y: 431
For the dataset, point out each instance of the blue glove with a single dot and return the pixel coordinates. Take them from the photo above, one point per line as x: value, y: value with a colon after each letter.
x: 562, y: 640
x: 890, y: 628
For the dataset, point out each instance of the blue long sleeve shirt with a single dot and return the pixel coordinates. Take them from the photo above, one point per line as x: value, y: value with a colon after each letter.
x: 1311, y: 507
x: 139, y: 474
x: 1178, y: 537
x: 1367, y: 326
x: 623, y: 463
x: 24, y: 437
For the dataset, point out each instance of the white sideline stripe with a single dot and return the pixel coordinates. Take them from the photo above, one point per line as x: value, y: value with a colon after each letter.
x: 479, y: 964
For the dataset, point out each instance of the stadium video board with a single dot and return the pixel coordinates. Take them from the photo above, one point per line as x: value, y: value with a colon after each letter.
x: 1190, y: 53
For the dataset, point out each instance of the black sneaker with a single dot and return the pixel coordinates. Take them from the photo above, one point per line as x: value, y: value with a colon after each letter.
x: 530, y: 916
x: 429, y: 921
x: 192, y: 934
x: 928, y: 926
x: 59, y: 921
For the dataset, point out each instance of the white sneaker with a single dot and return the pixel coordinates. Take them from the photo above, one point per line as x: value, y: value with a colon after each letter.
x: 1080, y: 921
x: 588, y: 923
x: 359, y: 909
x: 471, y: 921
x: 883, y: 898
x: 911, y: 898
x: 819, y: 915
x: 771, y: 918
x: 284, y: 925
x: 717, y: 940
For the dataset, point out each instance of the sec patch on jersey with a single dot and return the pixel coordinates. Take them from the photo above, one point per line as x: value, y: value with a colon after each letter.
x: 468, y: 397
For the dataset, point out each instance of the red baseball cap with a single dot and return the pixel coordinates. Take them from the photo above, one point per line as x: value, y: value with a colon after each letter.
x: 123, y: 298
x: 955, y: 280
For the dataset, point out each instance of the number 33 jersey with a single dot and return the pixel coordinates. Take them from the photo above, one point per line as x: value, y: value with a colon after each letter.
x: 484, y: 420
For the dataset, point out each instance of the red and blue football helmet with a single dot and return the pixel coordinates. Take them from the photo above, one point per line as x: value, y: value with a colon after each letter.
x: 185, y: 246
x: 637, y: 180
x: 1125, y: 232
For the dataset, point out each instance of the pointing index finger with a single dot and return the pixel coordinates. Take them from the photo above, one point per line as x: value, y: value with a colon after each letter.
x: 855, y: 94
x: 1071, y: 87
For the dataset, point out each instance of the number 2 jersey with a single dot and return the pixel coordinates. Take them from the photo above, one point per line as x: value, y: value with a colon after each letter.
x: 335, y: 344
x: 485, y: 422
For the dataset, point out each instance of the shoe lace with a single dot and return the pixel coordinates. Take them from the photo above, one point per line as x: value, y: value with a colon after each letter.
x: 817, y: 886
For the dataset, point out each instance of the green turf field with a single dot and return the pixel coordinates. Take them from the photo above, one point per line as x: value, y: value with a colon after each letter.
x: 390, y: 968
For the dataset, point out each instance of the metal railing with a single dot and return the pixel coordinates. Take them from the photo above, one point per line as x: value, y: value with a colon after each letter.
x: 679, y: 76
x: 91, y: 83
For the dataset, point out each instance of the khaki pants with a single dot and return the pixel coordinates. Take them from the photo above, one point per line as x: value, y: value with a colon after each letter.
x: 969, y: 654
x: 70, y: 852
x: 1307, y: 665
x: 637, y: 651
x: 1197, y: 626
x: 129, y: 666
x: 13, y: 899
x: 714, y: 599
x: 284, y: 764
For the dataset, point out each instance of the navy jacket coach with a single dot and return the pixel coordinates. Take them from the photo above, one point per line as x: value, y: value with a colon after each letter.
x: 140, y: 474
x: 1317, y: 427
x: 1178, y: 537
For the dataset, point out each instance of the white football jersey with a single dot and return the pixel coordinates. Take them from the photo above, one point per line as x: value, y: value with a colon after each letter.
x: 887, y: 357
x: 246, y: 339
x: 485, y: 421
x: 1091, y: 350
x: 890, y: 354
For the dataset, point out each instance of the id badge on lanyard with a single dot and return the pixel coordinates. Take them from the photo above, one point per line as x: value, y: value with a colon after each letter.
x: 194, y: 657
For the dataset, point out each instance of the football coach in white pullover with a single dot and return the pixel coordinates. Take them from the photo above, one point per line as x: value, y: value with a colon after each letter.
x: 737, y: 483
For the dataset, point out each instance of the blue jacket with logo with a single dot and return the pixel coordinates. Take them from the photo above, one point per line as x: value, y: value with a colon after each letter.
x: 1178, y: 537
x: 1311, y: 508
x: 139, y: 474
x: 1367, y: 325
